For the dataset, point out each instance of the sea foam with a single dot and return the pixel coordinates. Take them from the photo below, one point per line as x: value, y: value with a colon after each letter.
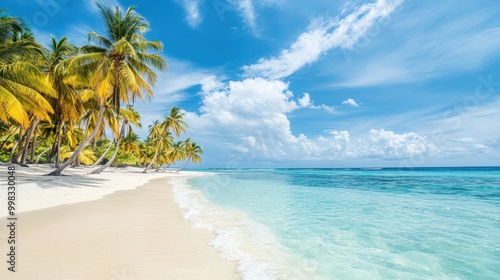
x: 238, y: 237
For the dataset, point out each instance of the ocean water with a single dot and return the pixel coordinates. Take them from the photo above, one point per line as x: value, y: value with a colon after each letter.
x: 430, y: 223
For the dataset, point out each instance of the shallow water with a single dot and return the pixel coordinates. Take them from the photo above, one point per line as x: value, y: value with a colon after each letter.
x: 432, y: 223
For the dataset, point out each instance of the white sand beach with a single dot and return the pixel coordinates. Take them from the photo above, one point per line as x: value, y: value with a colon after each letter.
x: 121, y: 224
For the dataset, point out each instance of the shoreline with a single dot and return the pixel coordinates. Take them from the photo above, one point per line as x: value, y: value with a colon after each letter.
x: 37, y: 191
x: 137, y: 233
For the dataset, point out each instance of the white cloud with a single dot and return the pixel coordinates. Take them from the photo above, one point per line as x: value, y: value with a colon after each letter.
x: 321, y: 36
x: 193, y: 14
x: 246, y: 8
x: 171, y: 88
x: 391, y: 145
x: 248, y: 11
x: 351, y: 102
x: 210, y: 83
x: 43, y: 37
x: 471, y: 128
x: 78, y: 34
x: 305, y: 101
x: 472, y: 40
x: 247, y: 120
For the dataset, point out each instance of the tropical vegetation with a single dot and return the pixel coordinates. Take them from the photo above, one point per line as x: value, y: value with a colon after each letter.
x: 58, y: 102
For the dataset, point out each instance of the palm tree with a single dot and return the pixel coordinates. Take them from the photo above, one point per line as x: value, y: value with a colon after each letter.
x: 130, y: 144
x: 130, y: 116
x: 174, y: 121
x: 193, y: 152
x: 147, y: 150
x: 119, y: 63
x: 157, y: 140
x: 22, y: 85
x: 176, y: 154
x: 67, y: 104
x: 90, y: 118
x: 110, y: 144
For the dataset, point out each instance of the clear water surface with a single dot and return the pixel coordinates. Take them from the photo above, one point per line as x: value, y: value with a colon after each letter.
x: 429, y: 223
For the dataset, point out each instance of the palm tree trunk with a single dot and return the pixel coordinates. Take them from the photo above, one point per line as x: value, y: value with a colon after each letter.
x: 82, y: 145
x: 152, y: 161
x: 102, y: 156
x: 187, y: 162
x: 110, y: 161
x: 32, y: 156
x: 155, y: 156
x: 28, y: 139
x: 41, y: 154
x: 58, y: 144
x: 166, y: 167
x: 18, y: 143
x: 12, y: 152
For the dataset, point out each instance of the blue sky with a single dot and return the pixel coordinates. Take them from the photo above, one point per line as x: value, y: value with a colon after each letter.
x: 288, y: 83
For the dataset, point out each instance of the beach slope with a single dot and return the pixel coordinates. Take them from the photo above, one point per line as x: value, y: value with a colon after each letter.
x: 129, y: 234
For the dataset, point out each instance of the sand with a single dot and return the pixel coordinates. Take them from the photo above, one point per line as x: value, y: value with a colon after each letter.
x: 128, y: 234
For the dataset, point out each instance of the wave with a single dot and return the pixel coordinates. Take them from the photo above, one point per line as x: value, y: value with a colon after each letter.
x: 239, y: 238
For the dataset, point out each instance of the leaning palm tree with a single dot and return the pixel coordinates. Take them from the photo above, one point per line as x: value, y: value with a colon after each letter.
x: 109, y: 121
x: 174, y: 121
x: 146, y: 151
x: 157, y: 141
x: 119, y: 63
x: 130, y: 116
x: 177, y: 154
x: 193, y: 152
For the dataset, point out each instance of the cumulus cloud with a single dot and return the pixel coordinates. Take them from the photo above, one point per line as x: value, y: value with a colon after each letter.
x: 351, y: 102
x: 172, y: 87
x: 391, y: 145
x: 193, y: 14
x: 321, y: 36
x: 251, y: 115
x: 306, y: 102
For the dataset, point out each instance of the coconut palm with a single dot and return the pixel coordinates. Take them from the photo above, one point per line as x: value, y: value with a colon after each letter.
x: 158, y: 141
x: 146, y: 150
x: 110, y: 145
x: 90, y: 118
x: 174, y: 121
x: 193, y: 152
x: 22, y: 85
x: 120, y: 63
x: 177, y: 154
x: 67, y: 104
x: 130, y: 144
x: 130, y: 116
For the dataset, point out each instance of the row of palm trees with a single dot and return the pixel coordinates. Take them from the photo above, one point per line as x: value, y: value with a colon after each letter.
x: 63, y: 99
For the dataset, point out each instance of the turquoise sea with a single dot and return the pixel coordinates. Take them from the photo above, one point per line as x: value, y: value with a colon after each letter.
x: 426, y: 223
